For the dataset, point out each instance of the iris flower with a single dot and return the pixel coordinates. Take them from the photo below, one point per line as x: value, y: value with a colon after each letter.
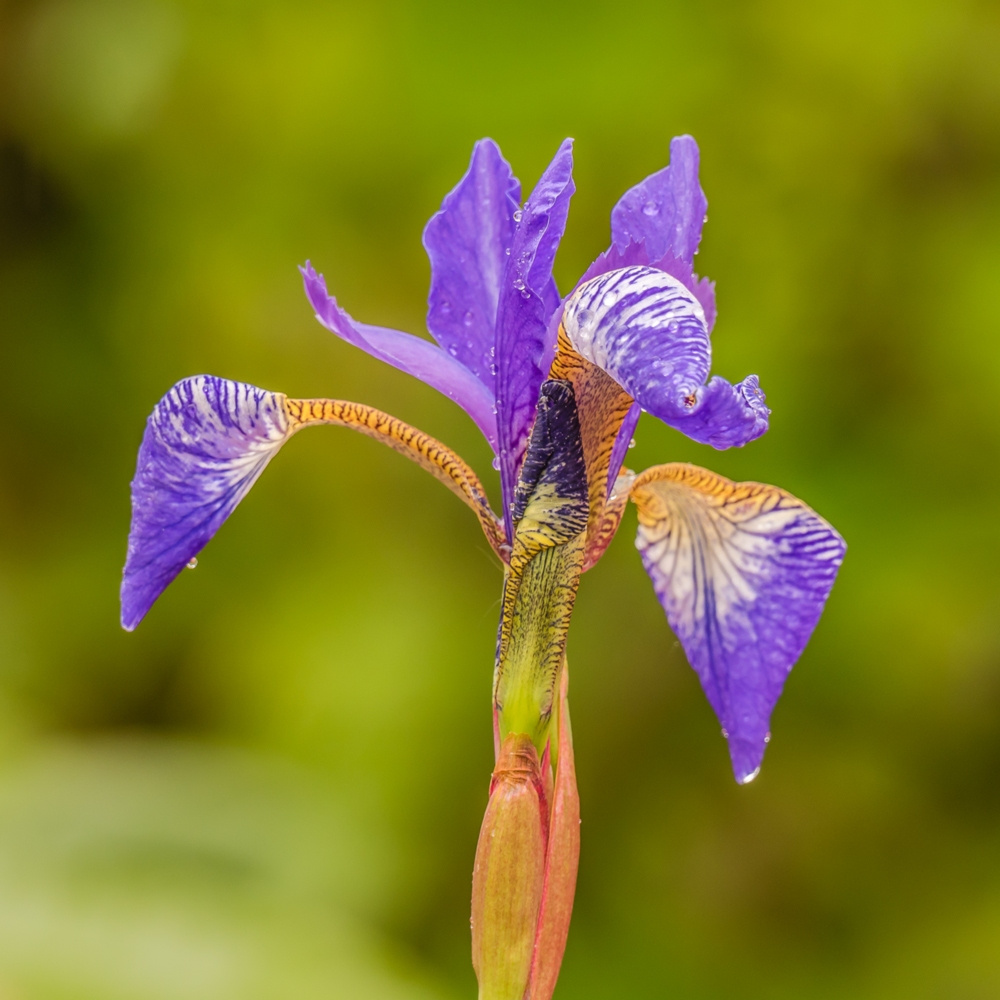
x: 556, y: 385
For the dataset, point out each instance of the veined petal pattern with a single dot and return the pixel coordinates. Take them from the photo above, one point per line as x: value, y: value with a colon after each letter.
x: 206, y: 442
x: 742, y: 571
x: 647, y: 331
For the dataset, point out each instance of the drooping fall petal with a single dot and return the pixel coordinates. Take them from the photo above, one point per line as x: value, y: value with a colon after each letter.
x: 205, y: 444
x: 743, y: 571
x: 207, y: 441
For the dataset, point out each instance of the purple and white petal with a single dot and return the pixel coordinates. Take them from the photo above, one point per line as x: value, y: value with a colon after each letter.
x: 742, y: 571
x: 667, y: 209
x: 413, y: 355
x: 466, y: 243
x: 205, y: 444
x: 635, y: 255
x: 528, y: 299
x: 647, y: 331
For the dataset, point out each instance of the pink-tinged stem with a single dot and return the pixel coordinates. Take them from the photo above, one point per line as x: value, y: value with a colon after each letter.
x: 562, y: 859
x: 509, y: 878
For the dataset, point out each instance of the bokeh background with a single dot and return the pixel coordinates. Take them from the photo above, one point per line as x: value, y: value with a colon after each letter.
x: 273, y: 788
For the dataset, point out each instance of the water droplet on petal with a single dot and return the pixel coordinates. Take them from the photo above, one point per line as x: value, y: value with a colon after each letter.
x: 753, y: 774
x: 767, y: 738
x: 517, y: 215
x: 507, y: 251
x: 631, y: 443
x: 519, y: 284
x: 650, y: 208
x: 468, y: 318
x: 446, y: 308
x: 453, y: 351
x: 725, y: 733
x: 192, y: 562
x: 496, y: 463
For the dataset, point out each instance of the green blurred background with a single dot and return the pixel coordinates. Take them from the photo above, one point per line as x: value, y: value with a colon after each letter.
x: 273, y: 788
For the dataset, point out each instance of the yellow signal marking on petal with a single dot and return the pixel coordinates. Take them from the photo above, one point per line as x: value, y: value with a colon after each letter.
x: 699, y: 526
x: 602, y: 405
x: 740, y: 501
x: 429, y: 453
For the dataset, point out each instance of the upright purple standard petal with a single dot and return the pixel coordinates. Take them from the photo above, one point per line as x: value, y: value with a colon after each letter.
x: 466, y: 243
x: 667, y: 209
x: 647, y: 331
x: 528, y: 299
x: 658, y: 224
x: 413, y: 355
x: 206, y: 442
x: 742, y: 571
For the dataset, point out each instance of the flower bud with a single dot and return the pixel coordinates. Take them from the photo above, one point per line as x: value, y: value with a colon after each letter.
x: 509, y: 877
x: 526, y: 862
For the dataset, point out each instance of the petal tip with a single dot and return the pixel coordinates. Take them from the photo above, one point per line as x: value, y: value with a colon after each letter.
x: 206, y: 442
x: 746, y: 756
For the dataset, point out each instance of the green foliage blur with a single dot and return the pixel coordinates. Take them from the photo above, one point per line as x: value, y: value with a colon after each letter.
x: 273, y: 788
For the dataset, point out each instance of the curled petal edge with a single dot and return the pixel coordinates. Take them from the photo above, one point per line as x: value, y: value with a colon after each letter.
x: 647, y: 331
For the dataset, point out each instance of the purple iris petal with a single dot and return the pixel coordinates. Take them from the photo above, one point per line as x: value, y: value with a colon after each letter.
x: 528, y: 299
x: 413, y: 355
x: 635, y: 255
x: 667, y: 209
x: 658, y: 224
x: 743, y: 572
x: 205, y: 444
x: 465, y: 242
x: 621, y: 445
x: 647, y: 331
